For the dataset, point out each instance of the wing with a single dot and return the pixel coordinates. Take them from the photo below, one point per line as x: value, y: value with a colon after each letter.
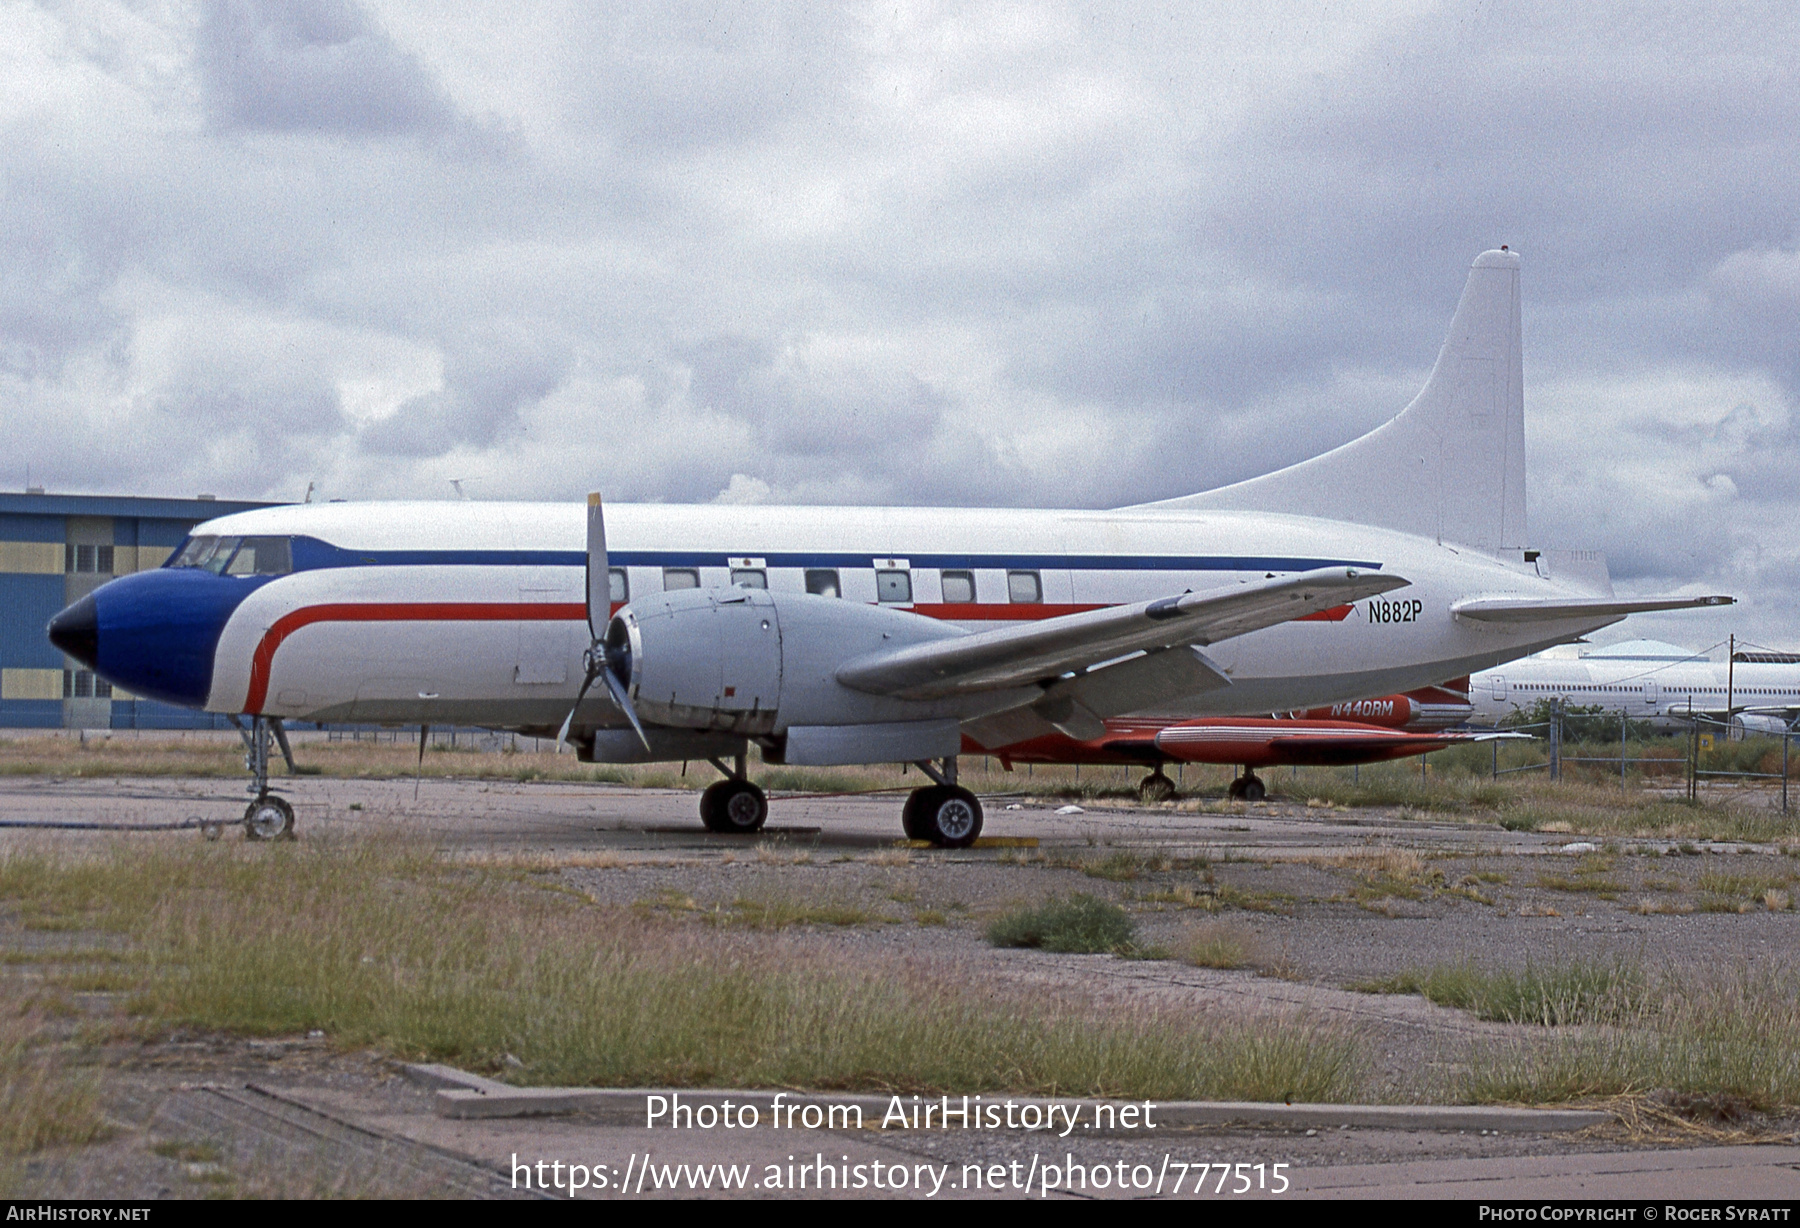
x: 1560, y: 609
x: 1047, y: 649
x: 1102, y: 662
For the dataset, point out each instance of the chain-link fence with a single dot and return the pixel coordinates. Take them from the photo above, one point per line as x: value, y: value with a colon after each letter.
x: 1697, y: 754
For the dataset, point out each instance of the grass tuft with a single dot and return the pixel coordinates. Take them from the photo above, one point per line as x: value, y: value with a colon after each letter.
x: 1080, y: 925
x: 1553, y: 995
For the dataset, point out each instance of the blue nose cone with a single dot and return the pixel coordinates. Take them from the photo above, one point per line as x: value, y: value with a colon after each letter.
x: 76, y: 631
x: 154, y: 633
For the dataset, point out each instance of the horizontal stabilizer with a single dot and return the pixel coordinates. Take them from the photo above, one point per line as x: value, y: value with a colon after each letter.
x: 1041, y: 651
x: 1562, y: 609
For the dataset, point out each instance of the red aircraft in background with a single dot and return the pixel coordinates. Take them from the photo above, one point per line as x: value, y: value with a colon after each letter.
x: 1363, y: 731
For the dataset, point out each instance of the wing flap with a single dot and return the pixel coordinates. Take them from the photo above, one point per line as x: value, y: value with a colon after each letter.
x: 1042, y: 651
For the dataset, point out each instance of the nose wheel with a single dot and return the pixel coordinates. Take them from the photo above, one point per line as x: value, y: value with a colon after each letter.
x: 269, y: 818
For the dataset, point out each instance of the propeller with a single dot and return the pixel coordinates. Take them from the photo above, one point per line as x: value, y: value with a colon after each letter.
x: 602, y: 660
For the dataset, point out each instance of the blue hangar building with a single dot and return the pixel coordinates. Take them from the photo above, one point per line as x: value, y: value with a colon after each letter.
x: 55, y: 550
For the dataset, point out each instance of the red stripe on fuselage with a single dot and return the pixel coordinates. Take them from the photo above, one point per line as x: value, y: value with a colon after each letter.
x: 403, y: 612
x: 499, y: 611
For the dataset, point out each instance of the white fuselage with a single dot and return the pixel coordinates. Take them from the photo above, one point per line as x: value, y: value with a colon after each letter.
x: 473, y: 613
x: 1646, y: 688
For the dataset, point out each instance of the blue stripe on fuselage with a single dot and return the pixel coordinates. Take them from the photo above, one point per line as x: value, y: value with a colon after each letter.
x: 312, y: 554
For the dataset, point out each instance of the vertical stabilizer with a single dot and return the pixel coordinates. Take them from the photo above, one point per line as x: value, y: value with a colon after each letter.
x: 1451, y: 466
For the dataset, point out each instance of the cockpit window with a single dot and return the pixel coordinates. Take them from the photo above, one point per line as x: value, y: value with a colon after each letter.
x: 237, y: 556
x: 196, y: 549
x: 223, y: 549
x: 262, y: 556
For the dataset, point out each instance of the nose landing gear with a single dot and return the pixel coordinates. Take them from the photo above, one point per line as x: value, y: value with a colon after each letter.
x: 269, y: 817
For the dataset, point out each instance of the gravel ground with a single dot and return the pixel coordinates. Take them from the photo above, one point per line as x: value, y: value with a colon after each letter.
x: 1322, y: 902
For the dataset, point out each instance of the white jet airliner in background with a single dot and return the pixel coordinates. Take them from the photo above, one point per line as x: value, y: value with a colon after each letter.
x: 1648, y: 680
x: 831, y: 635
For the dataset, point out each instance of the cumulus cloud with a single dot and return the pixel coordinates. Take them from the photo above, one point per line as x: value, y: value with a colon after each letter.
x: 311, y: 66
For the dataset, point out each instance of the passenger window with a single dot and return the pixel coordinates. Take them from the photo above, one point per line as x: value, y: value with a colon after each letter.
x: 893, y: 586
x: 749, y: 577
x: 618, y: 585
x: 680, y: 577
x: 959, y: 587
x: 1023, y: 586
x: 823, y: 583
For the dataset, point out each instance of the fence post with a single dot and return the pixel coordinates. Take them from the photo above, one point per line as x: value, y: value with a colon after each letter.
x: 1556, y: 731
x: 1621, y: 750
x: 1785, y: 735
x: 1694, y: 761
x: 1496, y: 758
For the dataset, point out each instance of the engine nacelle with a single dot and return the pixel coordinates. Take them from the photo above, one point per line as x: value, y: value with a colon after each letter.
x: 752, y: 663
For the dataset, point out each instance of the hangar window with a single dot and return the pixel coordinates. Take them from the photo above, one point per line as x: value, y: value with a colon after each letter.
x: 823, y: 582
x: 749, y: 577
x: 1024, y: 586
x: 959, y: 587
x: 893, y: 586
x: 680, y: 577
x: 83, y: 684
x: 96, y: 559
x: 618, y: 586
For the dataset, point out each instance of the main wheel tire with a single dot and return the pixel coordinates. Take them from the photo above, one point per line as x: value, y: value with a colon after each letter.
x: 1156, y: 788
x: 950, y: 817
x: 739, y: 808
x: 269, y: 818
x: 1254, y: 791
x: 909, y: 813
x: 709, y: 804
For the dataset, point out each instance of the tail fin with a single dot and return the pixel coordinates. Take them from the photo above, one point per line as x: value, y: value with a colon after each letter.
x: 1451, y: 466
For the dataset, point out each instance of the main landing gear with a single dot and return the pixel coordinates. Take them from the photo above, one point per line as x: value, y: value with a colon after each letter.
x: 1248, y: 788
x: 733, y: 805
x: 945, y: 813
x: 1156, y: 787
x: 269, y: 817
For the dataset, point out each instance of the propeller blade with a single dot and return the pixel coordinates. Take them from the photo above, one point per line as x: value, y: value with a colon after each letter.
x: 623, y: 699
x: 599, y: 577
x: 562, y: 735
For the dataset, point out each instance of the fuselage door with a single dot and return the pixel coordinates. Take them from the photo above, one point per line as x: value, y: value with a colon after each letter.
x: 1498, y: 682
x: 548, y: 643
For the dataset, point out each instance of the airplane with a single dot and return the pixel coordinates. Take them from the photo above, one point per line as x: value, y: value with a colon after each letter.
x: 1361, y: 731
x: 1757, y: 690
x: 834, y: 635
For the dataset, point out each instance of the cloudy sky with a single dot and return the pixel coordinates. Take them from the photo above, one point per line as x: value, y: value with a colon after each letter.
x: 982, y: 253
